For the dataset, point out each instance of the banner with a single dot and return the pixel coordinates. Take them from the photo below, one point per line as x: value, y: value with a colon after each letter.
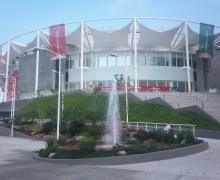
x: 206, y: 41
x: 57, y: 41
x: 14, y: 75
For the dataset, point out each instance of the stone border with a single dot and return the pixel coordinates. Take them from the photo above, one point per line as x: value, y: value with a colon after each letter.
x: 130, y: 159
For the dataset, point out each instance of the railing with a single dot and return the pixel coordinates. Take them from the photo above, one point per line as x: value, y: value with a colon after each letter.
x: 148, y: 126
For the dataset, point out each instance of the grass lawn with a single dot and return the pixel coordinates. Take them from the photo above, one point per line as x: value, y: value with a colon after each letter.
x: 88, y: 107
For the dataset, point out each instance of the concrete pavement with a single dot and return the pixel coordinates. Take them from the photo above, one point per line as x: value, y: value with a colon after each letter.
x: 204, y: 165
x: 16, y: 163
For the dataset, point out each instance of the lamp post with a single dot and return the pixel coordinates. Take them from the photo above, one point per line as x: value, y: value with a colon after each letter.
x: 59, y: 88
x: 126, y: 91
x: 12, y: 101
x: 62, y: 91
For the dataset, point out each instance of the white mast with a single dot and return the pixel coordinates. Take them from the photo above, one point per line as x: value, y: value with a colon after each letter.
x: 187, y: 57
x: 37, y: 64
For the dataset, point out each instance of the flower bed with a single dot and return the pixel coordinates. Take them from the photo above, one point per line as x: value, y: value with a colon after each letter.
x: 141, y: 142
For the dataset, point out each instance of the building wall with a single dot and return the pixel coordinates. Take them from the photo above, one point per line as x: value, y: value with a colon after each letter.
x: 26, y: 77
x: 215, y: 74
x: 212, y: 79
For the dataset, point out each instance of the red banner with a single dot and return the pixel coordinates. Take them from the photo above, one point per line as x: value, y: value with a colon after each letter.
x: 140, y: 88
x: 57, y: 41
x: 14, y: 75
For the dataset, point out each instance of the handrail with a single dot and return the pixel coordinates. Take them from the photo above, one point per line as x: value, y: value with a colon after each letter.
x: 146, y: 125
x: 191, y: 125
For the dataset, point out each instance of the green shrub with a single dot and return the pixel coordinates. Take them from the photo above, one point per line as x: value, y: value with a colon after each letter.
x: 190, y: 139
x: 50, y: 148
x: 44, y: 152
x: 157, y: 135
x: 75, y: 127
x: 137, y: 149
x: 169, y: 137
x: 87, y: 145
x: 47, y: 128
x: 160, y: 135
x: 132, y: 141
x: 52, y: 143
x: 94, y: 131
x: 180, y: 137
x: 62, y: 141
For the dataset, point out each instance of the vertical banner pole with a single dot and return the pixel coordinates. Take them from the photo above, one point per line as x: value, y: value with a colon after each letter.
x: 13, y: 105
x: 7, y: 69
x: 82, y: 54
x: 187, y: 57
x: 135, y: 54
x: 37, y: 64
x: 58, y: 105
x: 126, y: 90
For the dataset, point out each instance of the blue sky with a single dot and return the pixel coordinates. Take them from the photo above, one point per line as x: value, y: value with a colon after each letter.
x: 18, y: 16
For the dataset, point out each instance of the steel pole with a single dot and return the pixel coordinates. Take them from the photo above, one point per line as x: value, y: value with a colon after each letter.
x: 187, y: 58
x: 37, y: 64
x: 13, y: 106
x: 126, y: 90
x: 135, y: 56
x: 58, y: 102
x: 82, y: 54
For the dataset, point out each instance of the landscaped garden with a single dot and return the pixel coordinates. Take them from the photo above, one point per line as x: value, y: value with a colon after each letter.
x: 88, y: 143
x: 83, y: 133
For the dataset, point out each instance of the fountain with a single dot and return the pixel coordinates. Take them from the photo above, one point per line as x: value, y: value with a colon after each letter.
x: 113, y: 116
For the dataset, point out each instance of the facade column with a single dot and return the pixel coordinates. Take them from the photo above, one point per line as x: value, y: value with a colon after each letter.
x: 187, y: 58
x: 81, y: 57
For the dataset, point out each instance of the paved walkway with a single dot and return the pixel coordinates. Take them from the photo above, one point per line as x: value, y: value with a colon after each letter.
x: 16, y: 163
x: 13, y: 148
x: 204, y: 165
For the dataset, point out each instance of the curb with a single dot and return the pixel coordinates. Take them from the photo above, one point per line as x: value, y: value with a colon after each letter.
x: 131, y: 159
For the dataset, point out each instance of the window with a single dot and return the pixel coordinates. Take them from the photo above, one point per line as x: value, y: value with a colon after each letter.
x: 194, y: 64
x: 141, y: 60
x: 195, y: 76
x: 96, y: 61
x: 151, y: 83
x: 69, y: 62
x: 120, y: 61
x: 103, y: 61
x: 87, y: 62
x: 112, y: 61
x: 161, y: 83
x: 160, y: 61
x: 153, y: 61
x: 76, y: 62
x: 128, y: 60
x: 66, y: 77
x: 167, y: 61
x: 180, y: 60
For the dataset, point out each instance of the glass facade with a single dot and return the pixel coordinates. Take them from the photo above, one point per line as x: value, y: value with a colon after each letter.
x: 116, y: 61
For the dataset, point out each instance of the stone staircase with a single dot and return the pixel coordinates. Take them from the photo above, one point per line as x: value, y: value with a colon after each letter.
x: 208, y: 102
